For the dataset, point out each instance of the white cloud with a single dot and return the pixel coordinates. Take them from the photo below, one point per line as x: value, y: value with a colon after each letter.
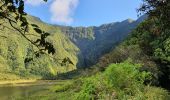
x: 34, y: 2
x: 62, y: 11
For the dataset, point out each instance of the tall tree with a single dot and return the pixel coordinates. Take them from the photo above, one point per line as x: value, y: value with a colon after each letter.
x: 157, y: 9
x: 155, y: 35
x: 158, y: 25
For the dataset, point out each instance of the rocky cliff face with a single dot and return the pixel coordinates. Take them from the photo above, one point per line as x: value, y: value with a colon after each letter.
x: 94, y: 41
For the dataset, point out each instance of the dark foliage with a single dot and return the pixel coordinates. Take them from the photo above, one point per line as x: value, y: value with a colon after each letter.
x: 12, y: 11
x: 153, y: 36
x: 158, y: 10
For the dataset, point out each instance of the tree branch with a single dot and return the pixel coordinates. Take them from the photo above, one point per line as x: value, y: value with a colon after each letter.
x: 22, y: 34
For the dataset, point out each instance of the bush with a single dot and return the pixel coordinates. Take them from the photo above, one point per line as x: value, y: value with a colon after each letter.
x: 155, y: 93
x: 119, y: 81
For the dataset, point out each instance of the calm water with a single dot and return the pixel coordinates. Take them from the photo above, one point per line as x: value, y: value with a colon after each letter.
x: 11, y: 92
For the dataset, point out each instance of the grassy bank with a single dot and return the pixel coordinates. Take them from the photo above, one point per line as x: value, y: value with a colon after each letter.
x: 31, y: 82
x: 121, y: 81
x: 16, y: 82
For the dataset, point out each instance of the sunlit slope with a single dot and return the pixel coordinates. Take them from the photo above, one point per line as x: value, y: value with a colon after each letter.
x: 83, y: 45
x: 14, y: 49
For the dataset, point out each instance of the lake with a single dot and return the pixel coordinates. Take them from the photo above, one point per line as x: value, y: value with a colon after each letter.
x: 24, y: 90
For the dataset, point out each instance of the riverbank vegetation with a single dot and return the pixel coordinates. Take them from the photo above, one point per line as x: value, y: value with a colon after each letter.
x: 119, y: 81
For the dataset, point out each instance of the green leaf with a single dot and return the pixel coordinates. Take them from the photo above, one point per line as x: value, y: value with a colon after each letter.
x: 16, y: 18
x: 34, y: 25
x: 46, y: 34
x: 23, y: 19
x: 24, y: 24
x: 38, y: 30
x: 11, y: 8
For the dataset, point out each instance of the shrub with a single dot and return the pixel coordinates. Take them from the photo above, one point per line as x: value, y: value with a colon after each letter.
x: 119, y: 81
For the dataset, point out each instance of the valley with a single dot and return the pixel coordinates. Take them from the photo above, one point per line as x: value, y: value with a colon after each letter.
x: 84, y: 47
x: 65, y: 53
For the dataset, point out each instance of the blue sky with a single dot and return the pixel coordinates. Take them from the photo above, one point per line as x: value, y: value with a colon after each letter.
x: 83, y: 12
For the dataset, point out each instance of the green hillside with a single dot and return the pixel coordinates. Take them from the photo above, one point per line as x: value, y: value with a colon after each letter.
x: 84, y: 46
x: 146, y: 46
x: 94, y: 42
x: 14, y: 49
x: 127, y: 60
x: 137, y: 69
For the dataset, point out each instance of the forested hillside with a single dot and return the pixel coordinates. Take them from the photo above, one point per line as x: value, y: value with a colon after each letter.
x: 14, y: 50
x: 83, y: 46
x: 127, y: 60
x: 138, y: 68
x: 94, y: 42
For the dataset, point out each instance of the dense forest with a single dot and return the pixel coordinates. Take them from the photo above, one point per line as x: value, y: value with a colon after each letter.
x: 128, y: 60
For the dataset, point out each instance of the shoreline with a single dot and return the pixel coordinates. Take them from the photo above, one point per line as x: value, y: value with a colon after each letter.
x: 28, y: 82
x: 3, y: 82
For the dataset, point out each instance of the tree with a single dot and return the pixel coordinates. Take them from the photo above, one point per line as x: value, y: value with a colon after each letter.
x: 158, y: 25
x: 155, y: 35
x: 12, y: 12
x: 159, y: 10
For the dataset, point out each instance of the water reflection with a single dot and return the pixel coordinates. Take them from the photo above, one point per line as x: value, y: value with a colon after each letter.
x: 10, y: 92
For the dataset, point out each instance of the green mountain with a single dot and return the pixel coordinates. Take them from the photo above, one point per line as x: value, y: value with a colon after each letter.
x: 83, y: 45
x: 94, y: 42
x: 14, y: 49
x: 137, y: 68
x: 145, y: 46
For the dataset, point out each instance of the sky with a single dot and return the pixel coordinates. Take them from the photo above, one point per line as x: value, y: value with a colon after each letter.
x: 82, y: 12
